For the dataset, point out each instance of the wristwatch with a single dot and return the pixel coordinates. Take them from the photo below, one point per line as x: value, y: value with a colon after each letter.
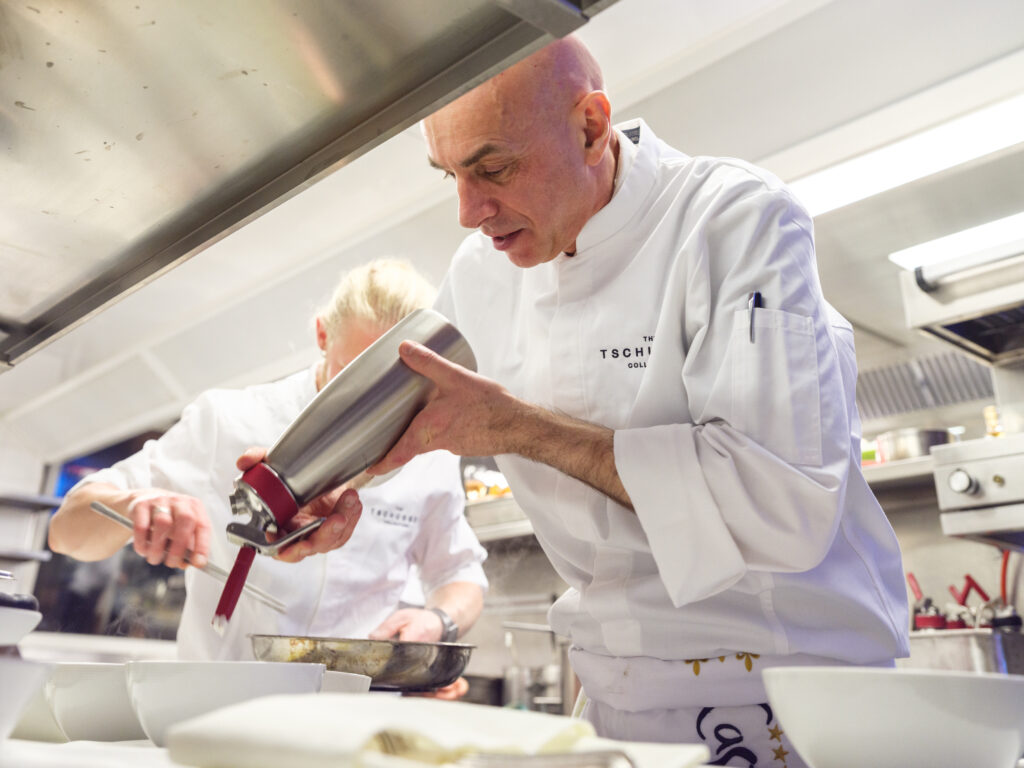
x: 449, y: 629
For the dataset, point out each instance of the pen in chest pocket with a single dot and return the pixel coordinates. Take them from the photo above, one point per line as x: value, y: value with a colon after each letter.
x: 753, y: 302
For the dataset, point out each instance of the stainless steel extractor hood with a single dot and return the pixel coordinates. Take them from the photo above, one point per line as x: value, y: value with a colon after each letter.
x: 132, y: 135
x: 976, y: 304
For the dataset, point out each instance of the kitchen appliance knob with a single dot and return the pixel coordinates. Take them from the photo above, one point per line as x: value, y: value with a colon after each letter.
x: 960, y: 481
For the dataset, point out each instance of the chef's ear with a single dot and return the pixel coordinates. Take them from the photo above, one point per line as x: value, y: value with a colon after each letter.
x: 321, y: 334
x: 595, y: 111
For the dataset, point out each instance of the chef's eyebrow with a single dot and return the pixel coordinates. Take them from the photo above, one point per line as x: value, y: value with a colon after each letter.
x: 473, y: 159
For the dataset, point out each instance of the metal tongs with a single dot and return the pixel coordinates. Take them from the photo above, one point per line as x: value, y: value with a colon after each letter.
x: 210, y: 568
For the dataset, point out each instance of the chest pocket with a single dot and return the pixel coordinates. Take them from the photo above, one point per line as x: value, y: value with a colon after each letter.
x: 775, y: 392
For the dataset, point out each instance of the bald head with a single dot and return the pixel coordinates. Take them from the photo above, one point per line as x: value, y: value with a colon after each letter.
x: 532, y: 151
x: 561, y: 73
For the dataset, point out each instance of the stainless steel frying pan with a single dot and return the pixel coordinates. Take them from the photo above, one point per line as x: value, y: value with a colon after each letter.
x: 392, y: 665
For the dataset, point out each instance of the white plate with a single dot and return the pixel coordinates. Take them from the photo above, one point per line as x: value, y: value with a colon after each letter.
x: 15, y: 623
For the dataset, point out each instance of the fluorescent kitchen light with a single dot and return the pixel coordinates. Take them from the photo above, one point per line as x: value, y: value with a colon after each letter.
x: 987, y: 242
x: 936, y: 149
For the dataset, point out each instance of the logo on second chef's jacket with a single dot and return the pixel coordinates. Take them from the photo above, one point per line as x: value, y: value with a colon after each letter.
x: 630, y: 355
x: 394, y: 516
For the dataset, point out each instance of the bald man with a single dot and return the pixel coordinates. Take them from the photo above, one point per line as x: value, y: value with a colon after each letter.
x: 672, y: 401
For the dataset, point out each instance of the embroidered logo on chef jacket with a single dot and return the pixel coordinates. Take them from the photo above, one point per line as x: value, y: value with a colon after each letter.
x: 629, y: 355
x: 396, y: 516
x: 738, y: 734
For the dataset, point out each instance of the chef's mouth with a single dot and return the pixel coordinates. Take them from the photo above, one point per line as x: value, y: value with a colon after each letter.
x: 504, y: 242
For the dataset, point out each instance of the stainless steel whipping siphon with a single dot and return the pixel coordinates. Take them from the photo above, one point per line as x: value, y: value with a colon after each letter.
x: 351, y: 424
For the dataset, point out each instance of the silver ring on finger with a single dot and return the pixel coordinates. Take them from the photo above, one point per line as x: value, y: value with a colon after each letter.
x: 164, y: 510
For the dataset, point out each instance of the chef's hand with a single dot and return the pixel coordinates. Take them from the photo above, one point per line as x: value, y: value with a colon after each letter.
x: 167, y: 525
x: 341, y: 508
x: 467, y: 414
x: 456, y: 690
x: 416, y: 624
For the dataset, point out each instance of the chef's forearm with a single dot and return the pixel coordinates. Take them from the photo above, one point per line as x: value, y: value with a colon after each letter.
x: 462, y: 600
x: 77, y: 531
x: 577, y: 448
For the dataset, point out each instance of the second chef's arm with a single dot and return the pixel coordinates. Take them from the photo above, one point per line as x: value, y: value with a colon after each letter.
x: 167, y: 525
x: 461, y: 600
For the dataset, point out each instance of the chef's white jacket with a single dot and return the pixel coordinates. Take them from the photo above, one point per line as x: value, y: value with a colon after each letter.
x: 755, y: 536
x: 415, y: 518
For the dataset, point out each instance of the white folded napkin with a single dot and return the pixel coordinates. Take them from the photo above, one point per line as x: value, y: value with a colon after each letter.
x: 338, y: 730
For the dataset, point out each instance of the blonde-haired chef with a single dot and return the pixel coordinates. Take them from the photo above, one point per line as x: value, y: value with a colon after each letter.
x: 180, y: 485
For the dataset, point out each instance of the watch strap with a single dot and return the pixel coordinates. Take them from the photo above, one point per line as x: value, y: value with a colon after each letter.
x: 449, y: 629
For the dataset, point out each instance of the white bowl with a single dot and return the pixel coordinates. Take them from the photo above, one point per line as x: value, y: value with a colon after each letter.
x: 345, y: 682
x: 37, y: 722
x: 15, y: 623
x: 852, y: 717
x: 164, y: 693
x: 21, y: 679
x: 89, y: 701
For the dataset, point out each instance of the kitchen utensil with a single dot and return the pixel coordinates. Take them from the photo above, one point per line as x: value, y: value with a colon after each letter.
x: 909, y: 443
x: 393, y: 665
x: 164, y: 693
x: 968, y: 650
x: 969, y: 583
x: 89, y: 701
x: 210, y: 569
x: 21, y: 679
x: 351, y: 423
x: 851, y: 717
x: 926, y: 614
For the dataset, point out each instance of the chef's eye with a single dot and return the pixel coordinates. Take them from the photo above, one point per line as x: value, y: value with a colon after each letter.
x: 493, y: 173
x: 448, y: 175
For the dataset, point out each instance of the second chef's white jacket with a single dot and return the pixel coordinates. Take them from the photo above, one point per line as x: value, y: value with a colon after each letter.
x: 755, y: 539
x: 415, y: 518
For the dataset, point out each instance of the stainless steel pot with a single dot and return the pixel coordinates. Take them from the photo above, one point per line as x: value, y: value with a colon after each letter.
x: 909, y: 443
x: 392, y: 665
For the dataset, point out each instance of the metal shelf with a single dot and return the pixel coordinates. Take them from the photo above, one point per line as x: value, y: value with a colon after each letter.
x: 26, y: 555
x: 894, y: 474
x: 501, y: 518
x: 28, y: 501
x: 497, y: 518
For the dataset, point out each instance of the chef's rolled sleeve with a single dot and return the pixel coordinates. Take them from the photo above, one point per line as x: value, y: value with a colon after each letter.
x: 681, y: 550
x: 714, y: 505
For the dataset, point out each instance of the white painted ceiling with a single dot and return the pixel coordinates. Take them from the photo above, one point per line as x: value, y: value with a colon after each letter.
x: 793, y: 85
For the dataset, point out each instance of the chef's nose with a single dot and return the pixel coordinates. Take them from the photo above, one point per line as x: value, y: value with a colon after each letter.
x: 476, y: 205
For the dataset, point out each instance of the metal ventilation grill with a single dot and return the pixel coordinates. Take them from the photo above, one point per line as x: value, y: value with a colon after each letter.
x: 927, y: 382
